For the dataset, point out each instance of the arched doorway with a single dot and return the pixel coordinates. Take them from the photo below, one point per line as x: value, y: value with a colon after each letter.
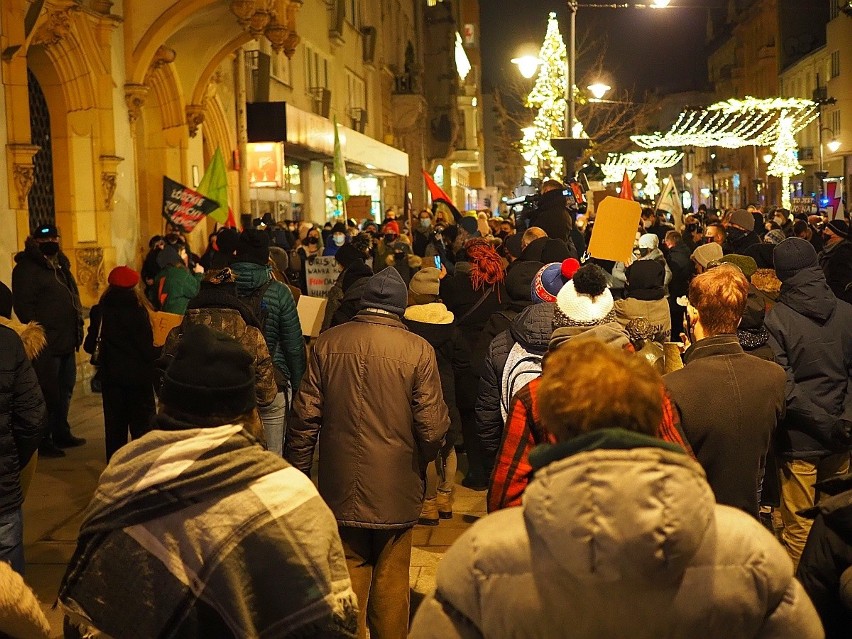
x: 41, y: 201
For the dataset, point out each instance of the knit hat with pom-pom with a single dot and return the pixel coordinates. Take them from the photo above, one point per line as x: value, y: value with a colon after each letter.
x: 551, y: 278
x: 585, y: 300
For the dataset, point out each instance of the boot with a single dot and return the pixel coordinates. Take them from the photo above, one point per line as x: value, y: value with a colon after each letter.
x: 444, y: 504
x: 429, y: 513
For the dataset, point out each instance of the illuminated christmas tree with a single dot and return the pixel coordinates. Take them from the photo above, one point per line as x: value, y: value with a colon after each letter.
x: 785, y: 160
x: 548, y: 96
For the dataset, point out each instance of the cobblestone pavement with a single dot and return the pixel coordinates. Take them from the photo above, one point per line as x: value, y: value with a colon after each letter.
x: 62, y: 488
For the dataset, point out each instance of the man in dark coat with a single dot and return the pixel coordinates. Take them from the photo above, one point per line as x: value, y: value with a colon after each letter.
x: 22, y: 416
x: 730, y: 427
x: 374, y: 390
x: 740, y: 233
x: 836, y: 259
x: 810, y: 331
x: 45, y: 291
x: 679, y: 260
x: 552, y: 217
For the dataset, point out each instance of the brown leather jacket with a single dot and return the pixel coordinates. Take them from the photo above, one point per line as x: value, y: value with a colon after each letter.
x: 373, y: 388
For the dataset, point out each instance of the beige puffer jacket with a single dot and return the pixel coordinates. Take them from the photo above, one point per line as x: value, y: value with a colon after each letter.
x: 618, y: 543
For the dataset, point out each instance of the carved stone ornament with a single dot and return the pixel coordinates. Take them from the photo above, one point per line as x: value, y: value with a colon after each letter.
x: 134, y: 97
x: 56, y: 26
x: 90, y: 270
x: 243, y: 10
x: 163, y: 56
x: 109, y: 178
x: 277, y: 35
x: 258, y: 22
x: 24, y: 175
x: 194, y: 118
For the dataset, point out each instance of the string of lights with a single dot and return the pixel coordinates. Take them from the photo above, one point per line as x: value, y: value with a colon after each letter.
x: 646, y: 161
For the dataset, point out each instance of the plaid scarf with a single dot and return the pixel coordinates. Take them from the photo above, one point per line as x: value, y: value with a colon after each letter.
x: 199, y: 532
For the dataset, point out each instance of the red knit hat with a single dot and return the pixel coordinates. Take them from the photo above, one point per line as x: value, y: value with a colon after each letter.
x: 123, y: 277
x: 392, y: 227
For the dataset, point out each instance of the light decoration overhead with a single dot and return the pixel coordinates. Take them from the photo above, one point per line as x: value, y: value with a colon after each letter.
x: 652, y: 184
x: 617, y: 163
x: 548, y: 97
x: 733, y: 124
x: 785, y: 161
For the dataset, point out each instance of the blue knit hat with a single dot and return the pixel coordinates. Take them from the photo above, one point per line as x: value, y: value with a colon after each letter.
x: 551, y: 278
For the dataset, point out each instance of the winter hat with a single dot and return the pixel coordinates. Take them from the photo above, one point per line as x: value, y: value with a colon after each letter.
x: 386, y: 291
x: 280, y: 257
x: 253, y: 247
x: 354, y: 272
x: 745, y: 263
x: 426, y: 281
x: 743, y: 219
x: 519, y: 277
x: 391, y: 227
x: 46, y: 231
x: 554, y: 251
x: 585, y: 300
x: 792, y: 255
x: 227, y: 241
x: 513, y: 244
x: 363, y: 242
x: 645, y: 280
x: 706, y: 253
x: 123, y: 277
x: 168, y: 255
x: 210, y: 374
x: 775, y: 236
x: 347, y: 254
x: 339, y: 227
x: 839, y: 227
x: 649, y: 241
x: 469, y: 224
x: 550, y: 279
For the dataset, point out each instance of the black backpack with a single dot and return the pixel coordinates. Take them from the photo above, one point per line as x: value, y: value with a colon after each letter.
x: 257, y: 304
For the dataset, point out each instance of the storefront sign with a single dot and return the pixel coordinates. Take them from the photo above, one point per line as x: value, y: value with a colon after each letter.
x: 321, y: 274
x: 184, y: 207
x: 264, y: 160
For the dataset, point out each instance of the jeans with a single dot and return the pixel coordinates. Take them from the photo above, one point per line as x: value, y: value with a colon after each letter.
x: 12, y: 539
x: 274, y: 418
x: 378, y: 563
x: 798, y: 477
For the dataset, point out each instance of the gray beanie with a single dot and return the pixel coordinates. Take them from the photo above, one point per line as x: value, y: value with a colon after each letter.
x: 792, y: 255
x: 386, y: 290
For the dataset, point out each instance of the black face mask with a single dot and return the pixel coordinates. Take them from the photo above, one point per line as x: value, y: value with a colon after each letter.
x: 313, y: 240
x: 49, y: 249
x: 390, y: 238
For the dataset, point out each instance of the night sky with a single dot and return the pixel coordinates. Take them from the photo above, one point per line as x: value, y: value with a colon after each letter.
x: 646, y: 49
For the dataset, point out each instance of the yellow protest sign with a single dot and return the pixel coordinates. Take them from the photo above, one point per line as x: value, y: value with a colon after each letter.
x: 615, y: 229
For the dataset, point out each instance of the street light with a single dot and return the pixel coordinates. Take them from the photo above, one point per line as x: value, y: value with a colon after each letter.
x: 599, y: 89
x: 527, y: 64
x: 833, y: 145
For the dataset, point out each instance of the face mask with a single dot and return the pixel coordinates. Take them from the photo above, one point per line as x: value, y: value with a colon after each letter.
x: 49, y: 248
x: 313, y: 240
x: 780, y: 221
x: 425, y: 222
x: 708, y: 240
x: 338, y: 238
x: 647, y: 223
x: 826, y: 237
x: 390, y: 237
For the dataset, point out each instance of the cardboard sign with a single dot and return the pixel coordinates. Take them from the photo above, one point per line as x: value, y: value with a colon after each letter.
x: 615, y: 229
x: 359, y: 207
x: 311, y: 311
x: 162, y: 323
x: 184, y: 207
x: 321, y: 274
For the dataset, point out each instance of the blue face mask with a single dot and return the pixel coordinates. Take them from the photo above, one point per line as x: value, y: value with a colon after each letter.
x: 338, y: 238
x: 425, y: 222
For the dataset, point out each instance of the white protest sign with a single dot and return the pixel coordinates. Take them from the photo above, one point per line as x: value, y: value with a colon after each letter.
x: 321, y: 273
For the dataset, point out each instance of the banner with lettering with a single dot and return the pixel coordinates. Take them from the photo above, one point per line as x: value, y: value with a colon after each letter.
x: 184, y: 207
x: 321, y: 275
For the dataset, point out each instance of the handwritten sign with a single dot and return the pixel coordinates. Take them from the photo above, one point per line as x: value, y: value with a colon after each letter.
x: 311, y: 312
x: 321, y: 274
x: 615, y: 229
x: 184, y: 207
x: 162, y: 323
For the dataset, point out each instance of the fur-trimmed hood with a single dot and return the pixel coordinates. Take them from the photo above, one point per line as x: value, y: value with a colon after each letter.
x: 31, y: 334
x: 435, y: 313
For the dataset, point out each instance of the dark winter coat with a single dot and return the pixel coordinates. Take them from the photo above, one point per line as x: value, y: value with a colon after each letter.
x: 22, y: 416
x: 551, y: 216
x: 762, y: 254
x: 531, y: 329
x: 457, y: 293
x: 374, y: 390
x: 281, y: 329
x: 46, y: 292
x: 828, y: 555
x: 738, y: 241
x: 836, y: 263
x: 682, y: 269
x: 729, y: 404
x: 174, y: 286
x: 810, y: 331
x: 751, y: 333
x: 127, y: 341
x: 434, y: 323
x: 344, y: 298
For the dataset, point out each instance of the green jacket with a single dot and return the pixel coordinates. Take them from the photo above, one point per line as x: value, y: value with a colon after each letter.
x: 282, y: 329
x: 174, y: 286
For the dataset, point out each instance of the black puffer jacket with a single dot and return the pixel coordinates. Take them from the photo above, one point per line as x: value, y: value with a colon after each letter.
x: 810, y: 331
x: 127, y: 341
x: 22, y: 415
x: 828, y: 555
x: 48, y: 295
x: 738, y: 241
x: 532, y: 329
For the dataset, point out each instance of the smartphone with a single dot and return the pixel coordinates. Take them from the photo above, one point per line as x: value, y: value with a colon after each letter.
x: 438, y: 262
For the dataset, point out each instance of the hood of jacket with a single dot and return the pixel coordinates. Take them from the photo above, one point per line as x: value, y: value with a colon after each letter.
x: 755, y: 310
x: 532, y: 327
x: 250, y: 276
x: 628, y: 508
x: 434, y: 313
x: 223, y: 296
x: 31, y: 334
x: 611, y: 334
x: 808, y: 294
x: 225, y: 320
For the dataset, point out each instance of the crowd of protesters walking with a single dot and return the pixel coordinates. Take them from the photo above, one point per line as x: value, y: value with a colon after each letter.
x: 663, y: 443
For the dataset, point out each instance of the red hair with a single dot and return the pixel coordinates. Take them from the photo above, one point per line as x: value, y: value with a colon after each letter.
x: 486, y: 265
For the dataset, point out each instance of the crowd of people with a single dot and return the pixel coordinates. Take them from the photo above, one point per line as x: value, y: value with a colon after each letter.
x: 664, y: 443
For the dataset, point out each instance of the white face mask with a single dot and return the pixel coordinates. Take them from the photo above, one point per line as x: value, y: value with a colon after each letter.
x: 338, y: 238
